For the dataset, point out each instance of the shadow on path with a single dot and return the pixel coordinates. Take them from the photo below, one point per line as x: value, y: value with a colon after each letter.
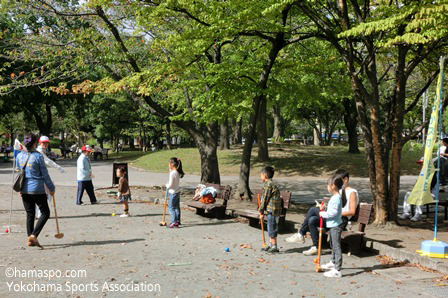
x: 97, y: 242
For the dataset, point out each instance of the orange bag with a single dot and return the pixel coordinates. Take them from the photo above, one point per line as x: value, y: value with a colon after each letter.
x: 207, y: 199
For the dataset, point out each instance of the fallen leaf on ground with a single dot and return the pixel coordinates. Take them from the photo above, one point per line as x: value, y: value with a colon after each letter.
x: 246, y: 246
x: 261, y: 260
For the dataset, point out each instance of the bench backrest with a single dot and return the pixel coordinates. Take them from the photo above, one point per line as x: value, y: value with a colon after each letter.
x: 363, y: 213
x: 285, y: 195
x: 223, y: 191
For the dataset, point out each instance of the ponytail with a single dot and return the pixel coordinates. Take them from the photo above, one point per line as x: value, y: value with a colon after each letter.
x: 178, y: 165
x: 337, y: 181
x: 344, y: 196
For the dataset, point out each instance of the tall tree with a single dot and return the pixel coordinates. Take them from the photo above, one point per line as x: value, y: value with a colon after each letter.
x: 381, y: 106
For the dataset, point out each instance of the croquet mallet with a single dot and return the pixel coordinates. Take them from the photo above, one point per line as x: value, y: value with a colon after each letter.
x: 319, y: 249
x: 163, y: 222
x: 58, y: 234
x: 262, y: 225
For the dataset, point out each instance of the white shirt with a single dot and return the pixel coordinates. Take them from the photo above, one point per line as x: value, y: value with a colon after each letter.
x: 173, y: 183
x: 348, y: 193
x: 49, y: 162
x: 442, y: 149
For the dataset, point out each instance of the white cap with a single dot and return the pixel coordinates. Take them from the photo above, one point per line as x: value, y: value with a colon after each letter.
x: 44, y: 139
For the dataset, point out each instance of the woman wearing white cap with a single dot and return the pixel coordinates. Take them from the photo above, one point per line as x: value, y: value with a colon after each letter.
x: 84, y: 176
x: 44, y: 141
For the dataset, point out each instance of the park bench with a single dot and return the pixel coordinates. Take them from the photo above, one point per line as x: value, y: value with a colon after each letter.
x: 254, y: 216
x: 219, y: 207
x: 352, y: 241
x: 442, y: 203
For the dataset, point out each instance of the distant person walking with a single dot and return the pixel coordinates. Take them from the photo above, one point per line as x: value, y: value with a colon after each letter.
x: 84, y: 176
x: 33, y: 191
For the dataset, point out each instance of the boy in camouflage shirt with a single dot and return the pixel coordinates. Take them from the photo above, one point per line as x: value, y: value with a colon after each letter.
x: 270, y: 206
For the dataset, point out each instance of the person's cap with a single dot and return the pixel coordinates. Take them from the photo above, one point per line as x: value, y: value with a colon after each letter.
x: 44, y: 139
x: 86, y: 148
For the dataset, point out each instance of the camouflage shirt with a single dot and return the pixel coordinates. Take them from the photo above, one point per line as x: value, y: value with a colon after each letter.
x: 270, y: 200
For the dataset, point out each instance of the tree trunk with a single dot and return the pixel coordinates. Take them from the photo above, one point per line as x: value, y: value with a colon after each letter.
x: 263, y: 150
x: 131, y: 143
x: 168, y: 135
x: 316, y: 136
x: 278, y: 123
x: 237, y: 135
x: 224, y: 138
x: 243, y: 182
x: 351, y: 123
x: 207, y: 142
x: 43, y: 126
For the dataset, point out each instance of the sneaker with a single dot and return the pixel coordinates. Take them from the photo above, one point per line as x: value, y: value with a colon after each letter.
x: 328, y: 266
x: 333, y: 273
x: 125, y: 215
x: 94, y: 203
x: 405, y: 216
x: 273, y: 249
x: 416, y: 217
x: 266, y: 248
x: 173, y: 225
x: 298, y: 238
x: 80, y: 204
x: 311, y: 252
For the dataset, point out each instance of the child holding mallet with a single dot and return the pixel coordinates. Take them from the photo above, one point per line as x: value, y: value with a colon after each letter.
x: 333, y: 217
x: 124, y: 192
x: 270, y: 206
x: 176, y: 172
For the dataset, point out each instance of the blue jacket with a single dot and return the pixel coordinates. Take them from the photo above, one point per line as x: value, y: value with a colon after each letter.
x: 36, y: 173
x: 84, y: 169
x: 334, y: 212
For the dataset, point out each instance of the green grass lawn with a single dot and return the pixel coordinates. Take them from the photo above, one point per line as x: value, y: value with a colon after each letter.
x: 288, y: 160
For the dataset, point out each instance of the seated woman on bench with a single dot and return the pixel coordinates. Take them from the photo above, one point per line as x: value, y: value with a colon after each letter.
x: 311, y: 222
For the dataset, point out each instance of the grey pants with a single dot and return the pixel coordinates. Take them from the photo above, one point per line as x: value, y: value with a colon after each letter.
x: 336, y: 250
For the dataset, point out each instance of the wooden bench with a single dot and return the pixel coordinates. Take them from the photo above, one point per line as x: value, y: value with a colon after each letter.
x: 254, y: 216
x: 219, y: 207
x: 353, y: 240
x: 441, y: 204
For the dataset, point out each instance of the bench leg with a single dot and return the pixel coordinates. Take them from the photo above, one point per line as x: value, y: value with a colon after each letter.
x: 200, y: 211
x: 254, y: 222
x: 220, y: 214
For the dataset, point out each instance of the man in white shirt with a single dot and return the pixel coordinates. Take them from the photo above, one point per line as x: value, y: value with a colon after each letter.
x: 84, y: 175
x: 44, y: 142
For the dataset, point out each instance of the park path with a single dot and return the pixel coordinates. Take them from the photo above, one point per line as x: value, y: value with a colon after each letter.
x: 137, y: 251
x: 304, y: 189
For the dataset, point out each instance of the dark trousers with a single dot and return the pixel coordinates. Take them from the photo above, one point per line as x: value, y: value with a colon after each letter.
x: 96, y: 154
x: 30, y: 202
x: 312, y: 224
x: 88, y: 186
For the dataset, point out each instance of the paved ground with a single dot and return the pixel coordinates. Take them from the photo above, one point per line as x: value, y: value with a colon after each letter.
x: 137, y: 252
x: 304, y: 189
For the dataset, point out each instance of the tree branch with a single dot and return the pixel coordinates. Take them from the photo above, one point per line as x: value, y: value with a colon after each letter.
x: 117, y: 36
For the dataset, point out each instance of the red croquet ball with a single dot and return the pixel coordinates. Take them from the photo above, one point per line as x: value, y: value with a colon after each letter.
x: 6, y: 230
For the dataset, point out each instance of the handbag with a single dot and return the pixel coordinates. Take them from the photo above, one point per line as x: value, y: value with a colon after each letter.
x: 19, y: 180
